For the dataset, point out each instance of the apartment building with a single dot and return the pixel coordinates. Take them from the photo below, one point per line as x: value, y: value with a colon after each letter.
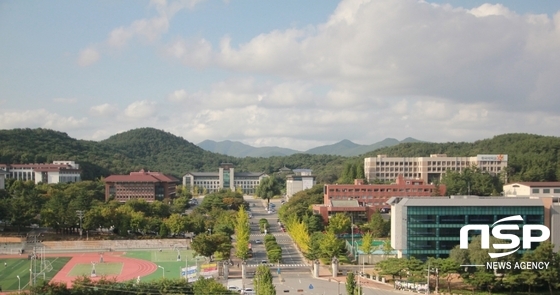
x: 144, y: 185
x: 57, y: 172
x: 383, y: 168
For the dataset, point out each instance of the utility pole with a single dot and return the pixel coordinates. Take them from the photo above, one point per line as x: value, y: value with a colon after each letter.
x: 80, y: 214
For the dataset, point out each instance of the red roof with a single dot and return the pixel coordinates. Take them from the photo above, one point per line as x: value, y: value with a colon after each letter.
x: 540, y: 184
x: 141, y: 177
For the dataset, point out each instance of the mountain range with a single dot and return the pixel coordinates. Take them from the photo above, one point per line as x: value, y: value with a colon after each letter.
x: 531, y: 157
x: 344, y: 148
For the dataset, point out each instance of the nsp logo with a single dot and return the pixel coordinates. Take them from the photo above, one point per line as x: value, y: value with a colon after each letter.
x: 497, y: 233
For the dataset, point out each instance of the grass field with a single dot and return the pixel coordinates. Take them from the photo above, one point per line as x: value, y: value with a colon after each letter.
x: 20, y: 267
x: 101, y: 269
x: 166, y: 259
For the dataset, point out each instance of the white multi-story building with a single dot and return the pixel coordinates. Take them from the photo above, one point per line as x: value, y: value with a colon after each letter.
x: 226, y: 177
x: 302, y: 179
x: 57, y: 172
x: 383, y: 168
x: 3, y: 179
x: 534, y: 189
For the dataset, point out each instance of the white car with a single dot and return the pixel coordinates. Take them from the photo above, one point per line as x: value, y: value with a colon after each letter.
x: 234, y: 288
x: 249, y: 291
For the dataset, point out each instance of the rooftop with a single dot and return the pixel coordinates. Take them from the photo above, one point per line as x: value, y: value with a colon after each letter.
x: 141, y: 176
x: 344, y: 203
x: 539, y: 184
x: 456, y: 201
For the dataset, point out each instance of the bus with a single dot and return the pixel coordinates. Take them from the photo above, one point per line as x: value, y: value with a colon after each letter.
x: 250, y: 252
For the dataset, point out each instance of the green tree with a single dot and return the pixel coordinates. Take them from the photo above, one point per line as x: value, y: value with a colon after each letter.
x: 376, y: 225
x: 367, y: 244
x: 263, y: 281
x: 550, y: 275
x: 204, y: 245
x: 339, y: 223
x: 394, y: 267
x: 330, y: 246
x: 350, y: 283
x: 267, y: 189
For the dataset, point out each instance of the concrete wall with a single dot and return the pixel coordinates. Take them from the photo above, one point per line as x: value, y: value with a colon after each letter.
x: 398, y: 228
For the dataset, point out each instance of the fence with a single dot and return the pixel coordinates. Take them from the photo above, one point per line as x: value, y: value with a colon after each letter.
x: 111, y: 245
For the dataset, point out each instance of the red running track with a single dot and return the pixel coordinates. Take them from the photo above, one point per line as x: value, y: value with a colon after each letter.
x: 132, y: 267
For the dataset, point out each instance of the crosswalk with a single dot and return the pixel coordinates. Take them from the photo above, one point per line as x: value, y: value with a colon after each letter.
x: 281, y: 265
x: 274, y: 234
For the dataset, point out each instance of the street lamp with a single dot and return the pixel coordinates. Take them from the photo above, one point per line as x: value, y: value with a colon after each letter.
x: 163, y: 271
x: 19, y: 283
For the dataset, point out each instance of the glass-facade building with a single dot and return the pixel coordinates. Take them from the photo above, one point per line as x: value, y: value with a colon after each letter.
x: 430, y: 227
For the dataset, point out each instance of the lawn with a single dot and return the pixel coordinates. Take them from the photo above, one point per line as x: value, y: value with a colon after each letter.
x: 101, y: 269
x: 12, y: 267
x: 166, y: 259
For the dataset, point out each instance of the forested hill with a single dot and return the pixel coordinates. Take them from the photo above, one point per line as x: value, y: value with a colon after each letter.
x: 133, y: 150
x: 530, y: 157
x: 158, y: 150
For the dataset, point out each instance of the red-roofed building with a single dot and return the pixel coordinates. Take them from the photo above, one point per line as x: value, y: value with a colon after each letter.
x: 148, y: 186
x: 362, y: 200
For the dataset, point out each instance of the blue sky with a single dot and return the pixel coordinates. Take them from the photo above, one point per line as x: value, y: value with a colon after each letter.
x: 295, y: 74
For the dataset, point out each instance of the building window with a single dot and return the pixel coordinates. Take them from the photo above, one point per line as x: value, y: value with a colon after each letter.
x: 557, y: 190
x: 546, y: 191
x: 535, y: 191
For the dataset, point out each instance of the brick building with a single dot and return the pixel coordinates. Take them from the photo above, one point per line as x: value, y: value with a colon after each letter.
x: 148, y: 186
x: 362, y: 200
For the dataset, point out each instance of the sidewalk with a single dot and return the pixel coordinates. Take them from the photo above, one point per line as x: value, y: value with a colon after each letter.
x: 325, y: 274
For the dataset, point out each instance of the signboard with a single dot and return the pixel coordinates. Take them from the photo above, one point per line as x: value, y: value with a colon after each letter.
x: 207, y: 270
x: 498, y: 158
x: 190, y: 273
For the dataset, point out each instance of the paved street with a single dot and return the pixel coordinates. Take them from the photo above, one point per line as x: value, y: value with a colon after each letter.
x: 294, y: 283
x: 290, y: 255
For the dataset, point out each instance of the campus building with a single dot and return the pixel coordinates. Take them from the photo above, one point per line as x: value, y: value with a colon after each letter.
x: 537, y: 189
x: 225, y: 178
x: 302, y: 179
x: 57, y: 172
x: 3, y: 179
x: 383, y: 168
x: 143, y: 185
x: 362, y: 200
x: 430, y: 227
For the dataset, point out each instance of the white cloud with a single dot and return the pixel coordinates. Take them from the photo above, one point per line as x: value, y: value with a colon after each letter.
x: 178, y: 96
x: 64, y: 100
x: 88, y: 57
x: 372, y: 49
x: 39, y: 118
x: 104, y: 110
x: 487, y: 9
x: 146, y: 30
x: 141, y: 109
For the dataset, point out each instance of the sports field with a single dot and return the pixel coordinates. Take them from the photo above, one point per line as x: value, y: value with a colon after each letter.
x: 101, y: 269
x: 167, y: 260
x: 10, y: 268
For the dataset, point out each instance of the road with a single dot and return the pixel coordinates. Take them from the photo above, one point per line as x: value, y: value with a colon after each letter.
x: 304, y: 284
x: 290, y: 255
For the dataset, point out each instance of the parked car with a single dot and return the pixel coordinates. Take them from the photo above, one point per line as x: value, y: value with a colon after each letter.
x: 249, y: 291
x: 258, y: 242
x: 264, y: 262
x: 234, y: 288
